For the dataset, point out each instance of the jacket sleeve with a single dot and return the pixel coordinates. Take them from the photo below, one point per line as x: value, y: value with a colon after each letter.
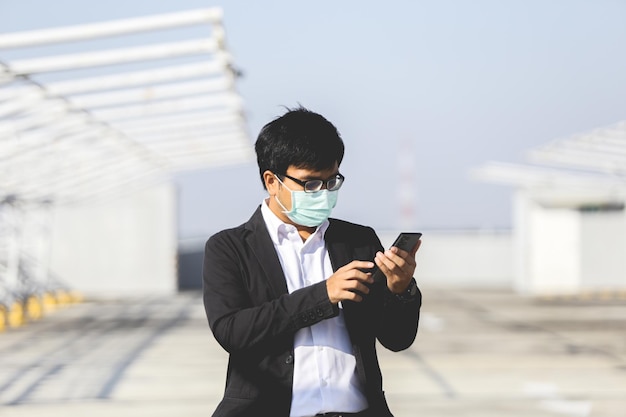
x: 241, y: 308
x: 397, y: 328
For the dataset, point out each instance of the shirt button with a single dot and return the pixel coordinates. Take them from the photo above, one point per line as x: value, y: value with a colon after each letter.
x: 289, y: 360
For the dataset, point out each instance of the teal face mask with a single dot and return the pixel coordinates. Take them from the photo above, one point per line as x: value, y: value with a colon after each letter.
x: 309, y: 209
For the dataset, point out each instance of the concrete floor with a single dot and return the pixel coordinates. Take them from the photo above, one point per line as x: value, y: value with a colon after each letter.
x: 478, y: 353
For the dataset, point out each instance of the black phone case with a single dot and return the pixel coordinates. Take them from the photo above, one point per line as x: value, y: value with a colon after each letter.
x: 405, y: 241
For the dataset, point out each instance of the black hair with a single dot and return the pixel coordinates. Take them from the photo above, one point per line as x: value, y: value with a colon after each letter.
x: 301, y: 138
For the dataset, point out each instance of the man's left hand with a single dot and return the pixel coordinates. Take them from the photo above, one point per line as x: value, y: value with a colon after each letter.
x: 398, y: 266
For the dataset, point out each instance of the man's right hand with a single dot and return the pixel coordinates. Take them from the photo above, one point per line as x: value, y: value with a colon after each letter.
x: 348, y: 281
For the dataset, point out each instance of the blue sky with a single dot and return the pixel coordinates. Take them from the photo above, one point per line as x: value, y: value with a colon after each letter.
x: 452, y: 83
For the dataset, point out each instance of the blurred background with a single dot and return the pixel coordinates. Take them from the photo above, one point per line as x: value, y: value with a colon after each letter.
x: 495, y: 128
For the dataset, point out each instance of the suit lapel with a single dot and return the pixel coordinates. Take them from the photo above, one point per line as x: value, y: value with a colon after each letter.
x: 341, y: 253
x: 338, y: 249
x: 262, y: 246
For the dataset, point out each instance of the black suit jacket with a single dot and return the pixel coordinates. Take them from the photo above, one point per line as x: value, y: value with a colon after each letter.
x: 254, y: 318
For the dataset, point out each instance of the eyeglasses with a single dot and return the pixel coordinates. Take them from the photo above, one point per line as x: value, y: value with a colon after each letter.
x: 311, y: 186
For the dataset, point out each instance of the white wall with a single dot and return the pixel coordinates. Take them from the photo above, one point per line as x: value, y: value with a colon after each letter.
x: 123, y: 247
x: 603, y: 250
x: 553, y: 252
x: 562, y: 250
x: 547, y: 245
x: 465, y: 258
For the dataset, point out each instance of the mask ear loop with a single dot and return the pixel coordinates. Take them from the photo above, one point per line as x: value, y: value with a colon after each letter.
x: 285, y: 211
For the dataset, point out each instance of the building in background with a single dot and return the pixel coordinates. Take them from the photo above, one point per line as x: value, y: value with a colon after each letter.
x: 569, y: 222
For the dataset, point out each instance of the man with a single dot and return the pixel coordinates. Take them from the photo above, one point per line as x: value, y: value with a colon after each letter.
x: 290, y: 296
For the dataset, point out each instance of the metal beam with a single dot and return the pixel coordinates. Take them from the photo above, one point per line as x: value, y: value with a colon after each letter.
x: 603, y: 162
x: 209, y: 102
x: 112, y: 28
x: 534, y: 176
x: 152, y: 93
x: 215, y: 141
x: 148, y: 126
x: 113, y: 56
x: 215, y: 67
x: 172, y: 138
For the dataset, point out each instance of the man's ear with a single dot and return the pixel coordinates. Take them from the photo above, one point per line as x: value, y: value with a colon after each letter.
x: 271, y: 183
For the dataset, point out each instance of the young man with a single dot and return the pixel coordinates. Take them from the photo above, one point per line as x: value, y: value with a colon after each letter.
x: 290, y: 296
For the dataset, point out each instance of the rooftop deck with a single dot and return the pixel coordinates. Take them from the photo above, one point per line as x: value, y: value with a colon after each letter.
x: 478, y: 353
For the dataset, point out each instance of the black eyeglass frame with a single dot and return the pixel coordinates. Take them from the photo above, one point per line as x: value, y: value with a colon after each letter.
x: 319, y: 183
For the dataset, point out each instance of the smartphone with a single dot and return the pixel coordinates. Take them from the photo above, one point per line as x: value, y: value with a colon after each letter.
x: 405, y: 241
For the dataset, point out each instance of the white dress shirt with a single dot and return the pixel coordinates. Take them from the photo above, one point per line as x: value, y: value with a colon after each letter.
x: 325, y: 378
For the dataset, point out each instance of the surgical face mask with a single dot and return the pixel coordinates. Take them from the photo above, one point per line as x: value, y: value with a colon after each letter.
x: 309, y: 209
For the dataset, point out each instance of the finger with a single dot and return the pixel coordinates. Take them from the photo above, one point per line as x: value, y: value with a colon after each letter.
x: 399, y: 258
x: 351, y: 290
x: 384, y: 263
x: 360, y: 288
x: 397, y: 251
x: 359, y: 270
x: 352, y: 296
x: 345, y: 278
x: 407, y: 257
x: 357, y: 288
x: 357, y: 265
x: 395, y: 267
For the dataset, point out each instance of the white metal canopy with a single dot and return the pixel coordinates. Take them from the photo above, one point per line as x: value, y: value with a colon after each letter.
x: 145, y: 110
x: 586, y: 166
x: 94, y: 110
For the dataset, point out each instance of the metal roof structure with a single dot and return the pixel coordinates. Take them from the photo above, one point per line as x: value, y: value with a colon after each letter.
x: 92, y: 111
x: 586, y: 166
x: 148, y: 107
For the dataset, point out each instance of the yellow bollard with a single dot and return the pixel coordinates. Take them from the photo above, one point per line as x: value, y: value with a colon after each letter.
x: 63, y: 297
x: 34, y: 308
x: 3, y: 318
x: 76, y: 297
x: 16, y: 315
x: 49, y: 302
